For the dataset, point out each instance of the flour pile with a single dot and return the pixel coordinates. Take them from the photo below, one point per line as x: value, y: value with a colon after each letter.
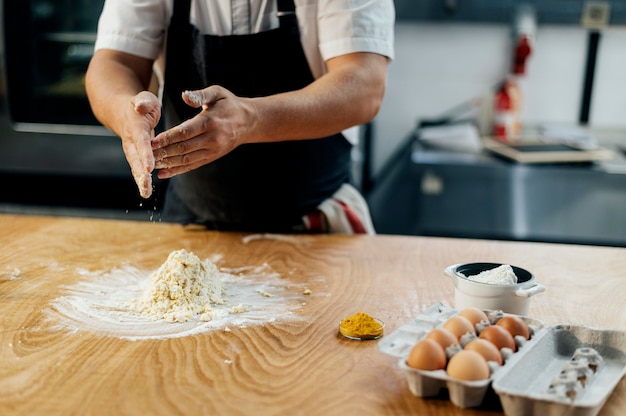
x: 501, y: 275
x: 181, y: 289
x: 185, y: 296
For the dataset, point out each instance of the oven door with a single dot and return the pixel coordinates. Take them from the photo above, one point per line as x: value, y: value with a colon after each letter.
x: 53, y: 151
x: 48, y: 48
x: 46, y: 123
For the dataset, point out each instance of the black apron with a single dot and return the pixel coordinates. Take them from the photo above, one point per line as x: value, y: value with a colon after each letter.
x: 259, y: 187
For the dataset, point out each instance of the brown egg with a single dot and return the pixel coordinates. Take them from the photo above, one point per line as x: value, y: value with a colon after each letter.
x: 486, y: 349
x: 459, y: 326
x: 515, y: 325
x: 474, y: 315
x: 468, y: 365
x: 443, y: 336
x: 427, y: 354
x: 498, y: 336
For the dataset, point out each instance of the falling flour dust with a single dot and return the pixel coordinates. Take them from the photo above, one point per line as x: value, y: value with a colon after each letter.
x: 185, y: 296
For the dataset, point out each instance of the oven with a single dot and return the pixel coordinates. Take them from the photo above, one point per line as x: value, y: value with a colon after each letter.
x: 53, y: 151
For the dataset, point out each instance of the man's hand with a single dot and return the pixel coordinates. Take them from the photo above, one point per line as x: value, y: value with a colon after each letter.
x: 117, y: 86
x: 143, y: 116
x: 348, y: 95
x: 220, y: 127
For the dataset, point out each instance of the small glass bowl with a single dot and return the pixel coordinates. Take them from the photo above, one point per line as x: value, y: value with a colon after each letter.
x: 374, y: 334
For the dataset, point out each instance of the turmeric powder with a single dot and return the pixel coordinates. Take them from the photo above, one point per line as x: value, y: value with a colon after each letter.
x: 361, y: 326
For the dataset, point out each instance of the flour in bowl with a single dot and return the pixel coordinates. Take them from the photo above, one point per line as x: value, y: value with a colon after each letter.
x: 501, y: 275
x: 182, y: 288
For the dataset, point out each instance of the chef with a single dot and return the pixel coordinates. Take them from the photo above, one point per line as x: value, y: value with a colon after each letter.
x: 260, y: 97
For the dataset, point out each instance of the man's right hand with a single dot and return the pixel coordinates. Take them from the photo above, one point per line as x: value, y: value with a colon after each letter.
x: 143, y: 116
x: 117, y: 86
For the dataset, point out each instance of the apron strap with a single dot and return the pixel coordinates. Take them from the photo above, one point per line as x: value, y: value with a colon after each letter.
x: 285, y: 6
x: 286, y: 12
x: 181, y: 11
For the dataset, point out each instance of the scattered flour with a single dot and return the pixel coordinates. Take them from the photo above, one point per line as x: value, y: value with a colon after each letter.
x: 278, y: 237
x: 181, y: 298
x: 11, y: 274
x: 501, y: 275
x: 264, y: 293
x: 239, y: 309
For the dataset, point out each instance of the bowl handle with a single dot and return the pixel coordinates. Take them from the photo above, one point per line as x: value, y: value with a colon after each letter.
x: 449, y: 271
x: 528, y: 292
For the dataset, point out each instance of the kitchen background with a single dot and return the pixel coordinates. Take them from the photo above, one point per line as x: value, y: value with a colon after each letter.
x: 450, y: 55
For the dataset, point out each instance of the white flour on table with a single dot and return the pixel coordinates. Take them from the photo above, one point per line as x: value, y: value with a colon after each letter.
x: 278, y: 237
x: 11, y: 274
x: 133, y: 304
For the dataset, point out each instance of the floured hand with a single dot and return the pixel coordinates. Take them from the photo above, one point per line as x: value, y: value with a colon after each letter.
x: 144, y: 184
x: 136, y: 140
x: 221, y: 125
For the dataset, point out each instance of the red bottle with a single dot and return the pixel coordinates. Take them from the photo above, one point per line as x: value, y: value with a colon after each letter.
x: 521, y: 53
x: 505, y: 115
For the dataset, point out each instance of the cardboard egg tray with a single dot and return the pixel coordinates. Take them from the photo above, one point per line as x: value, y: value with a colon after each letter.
x: 561, y: 370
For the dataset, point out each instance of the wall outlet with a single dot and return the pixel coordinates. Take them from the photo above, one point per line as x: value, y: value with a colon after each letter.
x: 596, y: 14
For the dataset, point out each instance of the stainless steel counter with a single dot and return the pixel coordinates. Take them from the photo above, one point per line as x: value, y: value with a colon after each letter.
x: 477, y: 195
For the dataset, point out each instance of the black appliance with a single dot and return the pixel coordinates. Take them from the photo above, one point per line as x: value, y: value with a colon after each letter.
x: 53, y: 152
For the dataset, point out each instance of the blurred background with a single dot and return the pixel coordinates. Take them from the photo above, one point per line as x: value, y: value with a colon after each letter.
x: 465, y: 71
x: 429, y: 173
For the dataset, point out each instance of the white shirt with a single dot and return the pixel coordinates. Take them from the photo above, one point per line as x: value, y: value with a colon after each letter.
x: 328, y: 28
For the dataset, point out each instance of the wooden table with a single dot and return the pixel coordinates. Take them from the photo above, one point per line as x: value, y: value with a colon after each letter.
x: 278, y: 368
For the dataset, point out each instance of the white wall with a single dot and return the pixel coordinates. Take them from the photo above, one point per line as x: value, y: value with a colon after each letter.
x: 439, y: 66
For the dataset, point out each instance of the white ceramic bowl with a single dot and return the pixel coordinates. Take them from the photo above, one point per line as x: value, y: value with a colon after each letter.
x: 514, y: 298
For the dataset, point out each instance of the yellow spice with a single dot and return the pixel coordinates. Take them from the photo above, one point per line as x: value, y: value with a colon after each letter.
x: 360, y: 325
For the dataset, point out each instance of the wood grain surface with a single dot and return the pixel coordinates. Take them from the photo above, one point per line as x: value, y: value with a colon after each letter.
x: 287, y: 367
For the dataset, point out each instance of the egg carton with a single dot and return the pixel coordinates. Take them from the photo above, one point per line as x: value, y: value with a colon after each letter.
x: 561, y: 370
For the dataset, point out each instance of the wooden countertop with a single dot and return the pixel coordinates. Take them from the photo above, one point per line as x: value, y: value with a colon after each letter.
x: 278, y: 368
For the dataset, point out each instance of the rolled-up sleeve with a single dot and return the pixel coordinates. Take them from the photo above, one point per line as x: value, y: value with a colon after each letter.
x: 348, y: 26
x: 133, y: 26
